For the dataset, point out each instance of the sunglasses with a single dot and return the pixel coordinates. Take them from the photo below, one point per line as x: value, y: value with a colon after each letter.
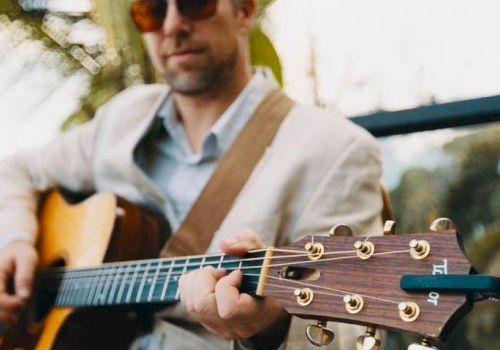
x: 148, y: 15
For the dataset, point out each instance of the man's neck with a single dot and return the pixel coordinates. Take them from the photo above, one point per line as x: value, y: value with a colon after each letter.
x: 199, y: 113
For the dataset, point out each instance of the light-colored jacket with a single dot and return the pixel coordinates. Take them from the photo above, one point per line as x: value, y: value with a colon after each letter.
x: 319, y: 171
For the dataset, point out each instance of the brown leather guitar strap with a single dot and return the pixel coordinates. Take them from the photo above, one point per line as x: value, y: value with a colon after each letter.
x: 229, y: 177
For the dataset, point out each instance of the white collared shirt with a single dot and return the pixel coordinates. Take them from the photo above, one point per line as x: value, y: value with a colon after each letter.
x: 167, y: 158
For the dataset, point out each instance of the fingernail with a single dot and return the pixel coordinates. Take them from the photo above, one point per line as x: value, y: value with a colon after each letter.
x: 24, y: 293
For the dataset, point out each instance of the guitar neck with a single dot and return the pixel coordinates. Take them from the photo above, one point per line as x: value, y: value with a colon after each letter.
x: 140, y: 282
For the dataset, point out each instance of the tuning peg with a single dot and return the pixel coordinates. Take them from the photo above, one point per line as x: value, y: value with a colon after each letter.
x: 341, y: 230
x: 441, y: 225
x: 319, y: 334
x: 368, y: 341
x: 424, y: 345
x: 389, y: 228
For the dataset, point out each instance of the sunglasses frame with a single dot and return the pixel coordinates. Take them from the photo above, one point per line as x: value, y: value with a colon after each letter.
x: 149, y: 15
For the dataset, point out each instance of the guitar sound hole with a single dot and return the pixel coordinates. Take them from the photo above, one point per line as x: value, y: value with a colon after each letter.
x: 46, y: 292
x: 299, y: 273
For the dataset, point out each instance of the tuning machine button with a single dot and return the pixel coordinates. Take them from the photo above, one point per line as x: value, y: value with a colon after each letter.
x: 408, y: 311
x: 353, y: 303
x: 368, y: 341
x: 442, y: 225
x: 419, y: 249
x: 319, y: 334
x: 424, y: 345
x: 341, y: 230
x: 389, y: 228
x: 365, y: 250
x: 314, y: 250
x: 304, y: 296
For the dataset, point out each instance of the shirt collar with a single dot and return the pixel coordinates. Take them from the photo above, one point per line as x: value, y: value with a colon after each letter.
x: 226, y: 129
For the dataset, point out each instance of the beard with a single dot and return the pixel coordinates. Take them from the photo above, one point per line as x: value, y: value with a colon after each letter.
x: 207, y: 77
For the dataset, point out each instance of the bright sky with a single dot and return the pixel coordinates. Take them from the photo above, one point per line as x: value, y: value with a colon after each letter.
x: 384, y: 54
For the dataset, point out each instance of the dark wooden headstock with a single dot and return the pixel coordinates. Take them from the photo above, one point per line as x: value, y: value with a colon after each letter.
x: 340, y: 272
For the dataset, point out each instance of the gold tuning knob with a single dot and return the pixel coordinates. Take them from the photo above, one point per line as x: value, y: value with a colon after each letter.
x: 424, y: 345
x: 441, y: 225
x: 319, y: 334
x: 341, y: 230
x: 389, y: 228
x: 368, y: 341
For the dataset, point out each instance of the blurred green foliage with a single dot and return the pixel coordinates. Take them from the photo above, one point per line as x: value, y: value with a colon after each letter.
x: 468, y: 192
x: 108, y: 77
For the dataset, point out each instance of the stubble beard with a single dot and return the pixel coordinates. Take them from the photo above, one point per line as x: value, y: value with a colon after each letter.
x: 209, y: 79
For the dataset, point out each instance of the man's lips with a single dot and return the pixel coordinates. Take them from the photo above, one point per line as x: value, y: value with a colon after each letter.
x: 181, y: 53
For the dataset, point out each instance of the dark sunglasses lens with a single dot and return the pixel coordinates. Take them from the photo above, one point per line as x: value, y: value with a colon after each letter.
x: 148, y: 15
x: 197, y: 10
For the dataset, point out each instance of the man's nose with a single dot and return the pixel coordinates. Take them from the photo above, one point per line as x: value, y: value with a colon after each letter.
x: 174, y: 21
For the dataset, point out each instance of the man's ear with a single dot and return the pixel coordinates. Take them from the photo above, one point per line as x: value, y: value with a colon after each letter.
x: 247, y: 10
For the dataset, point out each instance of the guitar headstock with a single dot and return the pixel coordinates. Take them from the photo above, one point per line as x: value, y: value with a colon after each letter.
x: 357, y: 280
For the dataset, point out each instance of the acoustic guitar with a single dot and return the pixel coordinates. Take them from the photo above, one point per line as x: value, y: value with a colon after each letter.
x: 99, y: 254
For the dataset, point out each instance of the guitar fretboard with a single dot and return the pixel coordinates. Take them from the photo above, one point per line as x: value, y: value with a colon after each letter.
x: 139, y: 282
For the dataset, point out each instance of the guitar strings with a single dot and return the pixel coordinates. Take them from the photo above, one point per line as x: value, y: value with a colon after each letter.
x: 145, y: 263
x: 129, y: 273
x: 171, y: 275
x: 145, y: 266
x: 327, y: 288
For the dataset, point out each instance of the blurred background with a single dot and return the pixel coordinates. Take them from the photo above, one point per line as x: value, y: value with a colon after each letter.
x: 386, y: 62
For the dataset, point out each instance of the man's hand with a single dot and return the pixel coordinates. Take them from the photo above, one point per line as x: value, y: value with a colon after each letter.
x: 212, y: 297
x: 17, y: 268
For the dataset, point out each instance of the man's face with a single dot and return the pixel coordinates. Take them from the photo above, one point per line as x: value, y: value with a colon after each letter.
x: 195, y: 56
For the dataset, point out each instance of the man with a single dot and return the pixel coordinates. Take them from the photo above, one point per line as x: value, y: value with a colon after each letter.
x: 158, y: 146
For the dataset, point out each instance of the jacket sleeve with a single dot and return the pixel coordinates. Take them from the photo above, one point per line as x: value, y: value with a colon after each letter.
x: 349, y: 193
x: 64, y: 162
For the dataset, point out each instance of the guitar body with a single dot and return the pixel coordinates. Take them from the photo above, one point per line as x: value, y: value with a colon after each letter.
x: 103, y: 228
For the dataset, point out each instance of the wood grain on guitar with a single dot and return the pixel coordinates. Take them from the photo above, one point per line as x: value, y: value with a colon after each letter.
x: 333, y: 277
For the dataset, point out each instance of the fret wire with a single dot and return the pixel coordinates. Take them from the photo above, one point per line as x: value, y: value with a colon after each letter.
x: 107, y: 286
x: 183, y: 272
x: 82, y: 295
x: 155, y: 278
x: 93, y: 285
x: 73, y: 292
x: 122, y: 285
x: 167, y: 280
x: 143, y: 281
x: 92, y: 300
x: 220, y: 261
x: 131, y: 286
x: 114, y: 285
x: 97, y: 294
